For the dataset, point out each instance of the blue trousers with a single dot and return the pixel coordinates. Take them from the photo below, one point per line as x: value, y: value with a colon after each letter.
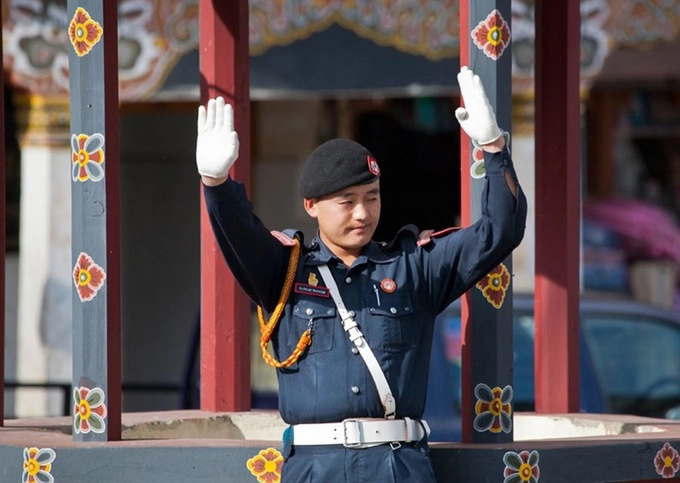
x: 409, y: 463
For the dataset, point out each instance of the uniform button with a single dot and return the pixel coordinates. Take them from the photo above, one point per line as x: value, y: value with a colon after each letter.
x: 372, y: 309
x: 352, y: 313
x: 355, y: 389
x: 309, y: 311
x: 393, y: 310
x: 329, y: 311
x: 407, y: 309
x: 355, y: 350
x: 348, y: 280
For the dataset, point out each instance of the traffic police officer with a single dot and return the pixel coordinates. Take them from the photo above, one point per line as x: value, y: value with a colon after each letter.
x: 350, y: 319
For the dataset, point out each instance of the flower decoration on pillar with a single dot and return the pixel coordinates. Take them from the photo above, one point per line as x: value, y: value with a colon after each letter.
x: 478, y: 168
x: 495, y: 285
x: 492, y: 35
x: 87, y: 157
x: 493, y: 409
x: 89, y: 410
x: 88, y: 277
x: 38, y: 465
x: 521, y: 467
x: 84, y: 32
x: 667, y: 461
x: 266, y: 466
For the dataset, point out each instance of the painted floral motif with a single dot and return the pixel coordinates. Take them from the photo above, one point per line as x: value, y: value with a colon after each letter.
x: 667, y: 461
x: 595, y: 40
x: 84, y: 32
x: 478, y: 168
x: 522, y: 467
x: 37, y: 465
x: 88, y: 277
x: 87, y: 156
x: 266, y: 466
x: 89, y: 410
x: 181, y: 29
x: 422, y: 28
x: 152, y: 36
x: 493, y: 409
x: 494, y: 285
x: 597, y: 23
x: 492, y: 35
x: 645, y: 21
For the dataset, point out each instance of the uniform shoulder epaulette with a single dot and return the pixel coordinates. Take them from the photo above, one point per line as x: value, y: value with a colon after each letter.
x: 427, y: 236
x: 287, y: 237
x: 403, y: 231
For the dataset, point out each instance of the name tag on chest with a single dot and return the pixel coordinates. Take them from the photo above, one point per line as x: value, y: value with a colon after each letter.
x: 312, y: 290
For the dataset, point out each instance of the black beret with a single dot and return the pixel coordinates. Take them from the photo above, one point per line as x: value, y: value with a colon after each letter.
x: 336, y: 165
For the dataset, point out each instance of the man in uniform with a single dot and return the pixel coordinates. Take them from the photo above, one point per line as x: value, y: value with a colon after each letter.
x: 350, y: 319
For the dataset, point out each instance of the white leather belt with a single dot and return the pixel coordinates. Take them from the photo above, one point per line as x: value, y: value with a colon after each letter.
x: 361, y: 433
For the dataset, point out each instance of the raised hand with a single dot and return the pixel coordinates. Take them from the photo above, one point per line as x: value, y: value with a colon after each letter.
x: 217, y: 142
x: 477, y: 118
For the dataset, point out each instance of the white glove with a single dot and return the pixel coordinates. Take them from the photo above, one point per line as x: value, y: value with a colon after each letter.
x: 477, y: 117
x: 217, y: 142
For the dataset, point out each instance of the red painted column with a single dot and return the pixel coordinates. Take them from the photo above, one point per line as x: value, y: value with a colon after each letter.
x: 467, y: 403
x: 557, y: 206
x: 225, y: 309
x: 3, y: 225
x: 113, y: 308
x: 464, y: 56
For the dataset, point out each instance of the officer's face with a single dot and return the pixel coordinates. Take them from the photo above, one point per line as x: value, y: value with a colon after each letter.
x: 347, y: 219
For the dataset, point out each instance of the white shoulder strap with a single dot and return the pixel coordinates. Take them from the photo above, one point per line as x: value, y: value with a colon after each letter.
x: 352, y: 328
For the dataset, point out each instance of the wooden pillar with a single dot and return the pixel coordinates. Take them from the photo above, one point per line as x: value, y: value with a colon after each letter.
x: 557, y: 206
x: 487, y: 322
x: 3, y: 244
x: 95, y: 224
x: 225, y: 309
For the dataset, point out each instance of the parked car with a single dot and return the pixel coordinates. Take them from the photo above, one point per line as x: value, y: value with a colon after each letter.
x: 629, y: 362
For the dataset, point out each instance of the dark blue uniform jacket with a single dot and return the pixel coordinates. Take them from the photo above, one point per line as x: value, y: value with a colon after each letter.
x: 330, y: 383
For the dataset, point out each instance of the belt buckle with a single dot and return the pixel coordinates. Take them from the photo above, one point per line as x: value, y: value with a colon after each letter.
x: 352, y: 424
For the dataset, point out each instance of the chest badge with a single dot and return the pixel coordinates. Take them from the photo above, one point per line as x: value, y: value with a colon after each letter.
x: 388, y: 285
x: 311, y: 287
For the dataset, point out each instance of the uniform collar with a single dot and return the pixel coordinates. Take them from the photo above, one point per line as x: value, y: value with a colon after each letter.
x: 320, y: 254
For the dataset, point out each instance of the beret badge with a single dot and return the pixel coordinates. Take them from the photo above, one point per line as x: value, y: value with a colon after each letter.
x: 373, y: 165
